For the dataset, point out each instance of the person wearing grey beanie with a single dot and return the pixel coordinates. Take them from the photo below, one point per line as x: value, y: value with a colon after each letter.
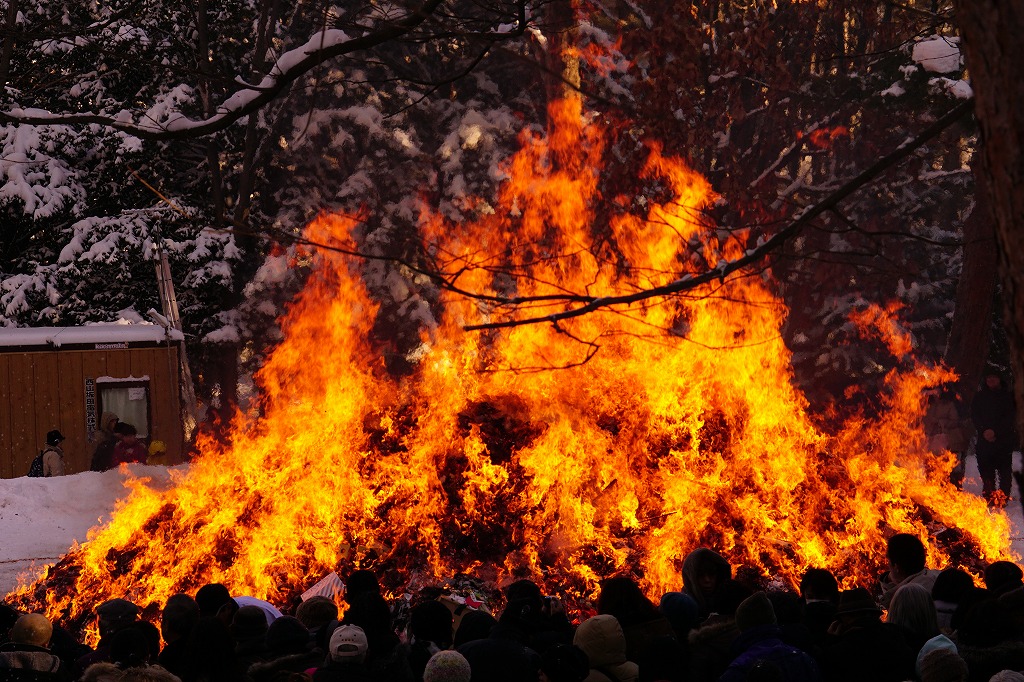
x: 447, y: 666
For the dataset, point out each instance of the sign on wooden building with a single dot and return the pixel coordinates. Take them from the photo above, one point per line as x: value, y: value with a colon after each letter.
x: 65, y: 378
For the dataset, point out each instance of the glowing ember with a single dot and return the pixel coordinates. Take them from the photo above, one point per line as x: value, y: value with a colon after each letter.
x: 683, y: 430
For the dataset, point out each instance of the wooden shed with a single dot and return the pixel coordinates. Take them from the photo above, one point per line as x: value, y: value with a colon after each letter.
x: 66, y: 377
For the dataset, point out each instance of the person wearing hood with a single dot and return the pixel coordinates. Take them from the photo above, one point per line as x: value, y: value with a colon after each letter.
x: 704, y: 570
x: 504, y: 655
x: 602, y: 640
x: 951, y: 586
x: 644, y: 626
x: 179, y: 617
x: 106, y: 438
x: 112, y: 616
x: 760, y: 639
x: 249, y: 630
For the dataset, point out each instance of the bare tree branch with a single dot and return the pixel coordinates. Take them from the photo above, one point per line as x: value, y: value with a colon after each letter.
x: 752, y: 256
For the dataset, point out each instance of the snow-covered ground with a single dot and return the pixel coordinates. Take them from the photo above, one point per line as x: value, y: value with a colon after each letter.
x: 41, y: 518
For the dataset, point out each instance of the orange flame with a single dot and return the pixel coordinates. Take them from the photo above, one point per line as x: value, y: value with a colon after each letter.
x: 882, y: 324
x: 823, y: 138
x: 684, y: 428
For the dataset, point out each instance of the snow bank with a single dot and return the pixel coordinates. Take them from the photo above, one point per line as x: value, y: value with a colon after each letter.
x: 42, y: 518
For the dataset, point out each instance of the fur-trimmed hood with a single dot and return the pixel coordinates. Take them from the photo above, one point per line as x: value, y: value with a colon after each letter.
x: 108, y: 672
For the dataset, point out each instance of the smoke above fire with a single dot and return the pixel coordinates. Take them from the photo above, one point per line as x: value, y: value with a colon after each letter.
x: 611, y: 443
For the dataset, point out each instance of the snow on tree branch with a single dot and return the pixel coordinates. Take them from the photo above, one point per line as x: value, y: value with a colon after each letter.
x: 326, y: 44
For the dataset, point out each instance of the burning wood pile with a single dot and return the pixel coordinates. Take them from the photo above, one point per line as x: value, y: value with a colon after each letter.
x: 683, y: 430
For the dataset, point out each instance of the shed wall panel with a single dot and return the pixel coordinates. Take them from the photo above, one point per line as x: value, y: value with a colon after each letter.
x: 6, y: 463
x: 77, y: 449
x: 117, y: 364
x: 25, y: 439
x: 46, y: 398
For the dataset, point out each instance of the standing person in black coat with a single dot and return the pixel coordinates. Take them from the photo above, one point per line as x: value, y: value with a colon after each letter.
x: 994, y: 413
x: 180, y: 615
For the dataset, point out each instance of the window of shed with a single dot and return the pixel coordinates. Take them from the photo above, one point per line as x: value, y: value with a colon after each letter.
x: 128, y: 399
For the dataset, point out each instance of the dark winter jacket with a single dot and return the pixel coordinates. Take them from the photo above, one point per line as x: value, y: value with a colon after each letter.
x: 391, y: 667
x: 869, y: 650
x: 108, y: 672
x: 27, y: 662
x: 984, y: 662
x: 251, y: 650
x: 334, y: 671
x: 103, y: 455
x: 994, y: 409
x: 763, y: 643
x: 641, y: 636
x: 174, y: 657
x: 280, y: 669
x: 500, y: 660
x: 711, y: 648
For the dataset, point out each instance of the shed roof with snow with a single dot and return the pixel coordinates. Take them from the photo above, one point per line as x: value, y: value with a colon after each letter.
x: 94, y: 336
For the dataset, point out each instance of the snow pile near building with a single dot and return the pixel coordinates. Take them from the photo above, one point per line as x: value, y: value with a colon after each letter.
x: 42, y: 518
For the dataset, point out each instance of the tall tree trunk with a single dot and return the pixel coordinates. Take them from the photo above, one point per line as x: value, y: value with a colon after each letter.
x: 7, y: 51
x: 270, y: 12
x: 560, y: 57
x: 991, y: 31
x: 205, y: 86
x: 970, y: 335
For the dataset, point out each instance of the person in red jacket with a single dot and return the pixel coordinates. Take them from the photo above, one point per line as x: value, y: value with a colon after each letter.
x: 129, y: 448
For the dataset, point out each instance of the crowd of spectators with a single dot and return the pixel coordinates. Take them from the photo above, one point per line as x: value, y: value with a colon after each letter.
x: 916, y: 624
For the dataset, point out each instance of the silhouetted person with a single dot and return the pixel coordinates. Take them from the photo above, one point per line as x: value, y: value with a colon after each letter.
x: 820, y: 592
x: 106, y: 439
x: 951, y: 585
x: 993, y: 413
x: 1003, y: 576
x: 704, y: 570
x: 907, y: 556
x: 863, y: 647
x: 112, y: 616
x: 180, y: 615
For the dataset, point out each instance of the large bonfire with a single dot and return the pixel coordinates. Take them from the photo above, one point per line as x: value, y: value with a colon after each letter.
x: 524, y: 453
